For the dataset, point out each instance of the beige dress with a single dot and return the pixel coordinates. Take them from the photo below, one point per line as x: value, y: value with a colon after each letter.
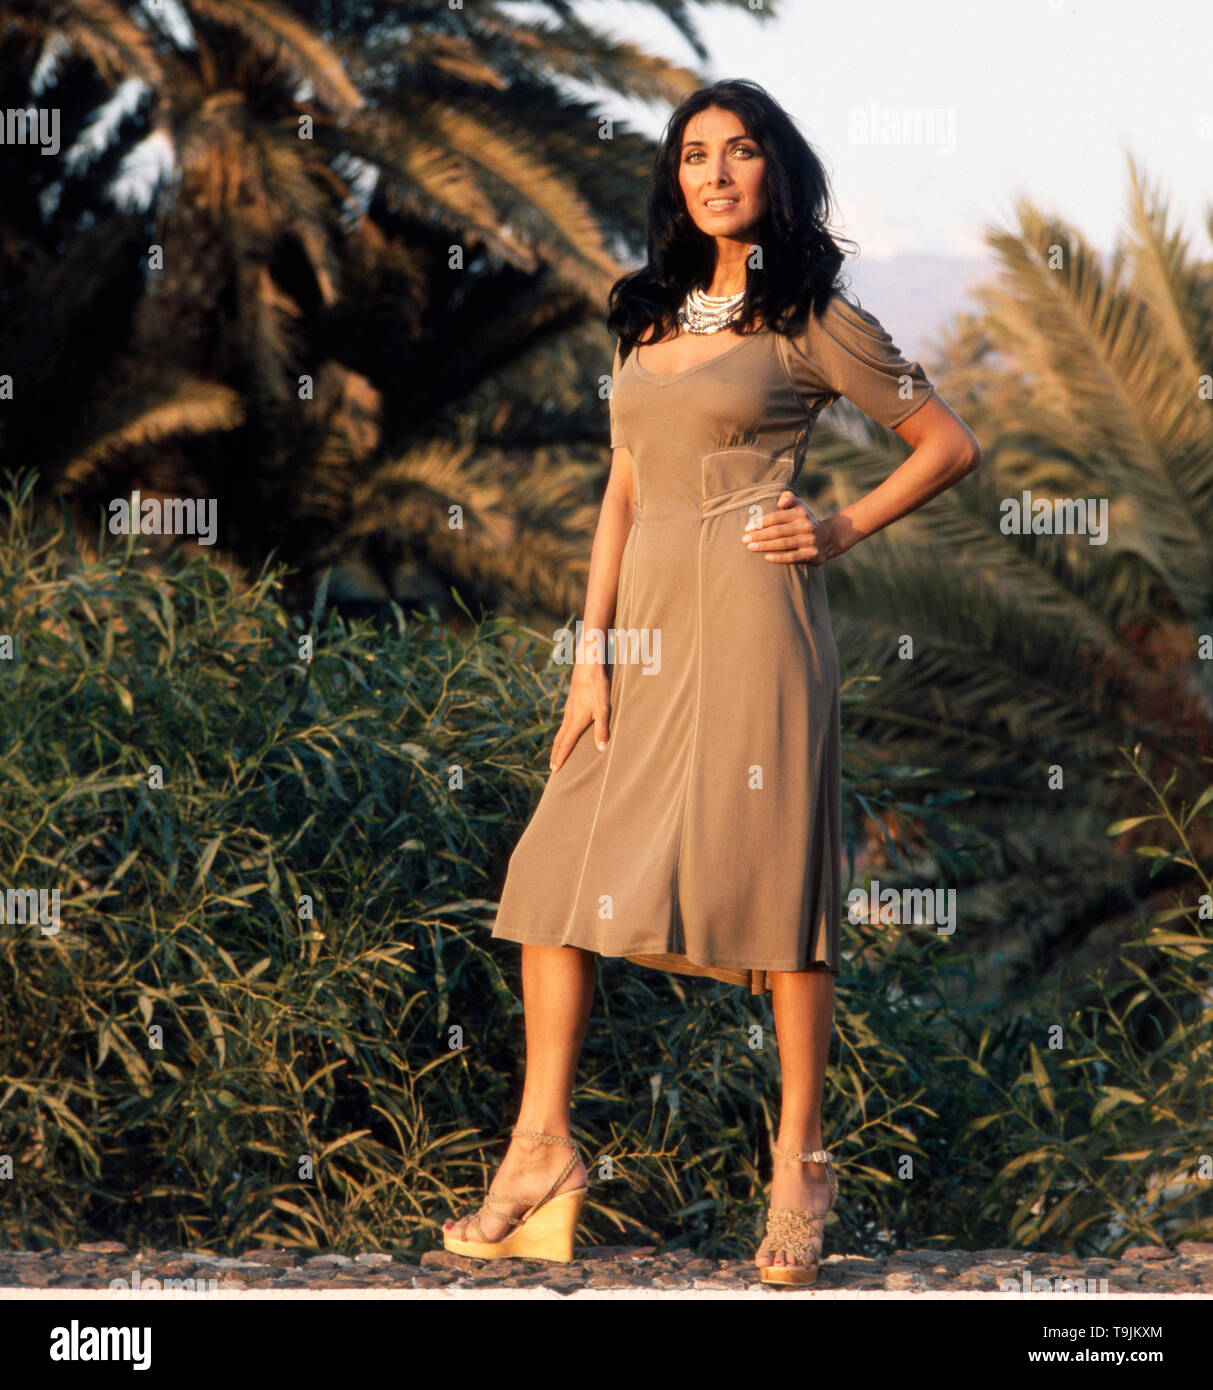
x: 706, y: 839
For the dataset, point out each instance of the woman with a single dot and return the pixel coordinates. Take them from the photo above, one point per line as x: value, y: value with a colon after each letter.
x: 697, y: 828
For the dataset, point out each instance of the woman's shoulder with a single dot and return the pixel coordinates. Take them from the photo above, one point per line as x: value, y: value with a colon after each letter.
x: 840, y: 315
x: 846, y: 351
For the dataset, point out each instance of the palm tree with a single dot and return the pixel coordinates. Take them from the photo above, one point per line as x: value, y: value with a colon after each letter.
x: 1038, y: 654
x: 70, y: 275
x: 307, y: 319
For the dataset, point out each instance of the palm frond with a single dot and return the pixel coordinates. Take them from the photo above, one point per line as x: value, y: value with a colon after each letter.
x: 98, y: 30
x: 282, y: 38
x: 429, y: 180
x: 573, y: 49
x: 1178, y: 295
x: 528, y: 191
x: 192, y: 408
x: 961, y: 525
x: 1088, y: 345
x: 987, y: 674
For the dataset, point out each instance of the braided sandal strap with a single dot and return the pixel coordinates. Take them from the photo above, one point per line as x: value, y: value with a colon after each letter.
x: 565, y: 1171
x: 485, y: 1210
x: 543, y: 1138
x: 793, y: 1229
x: 814, y: 1156
x: 531, y: 1206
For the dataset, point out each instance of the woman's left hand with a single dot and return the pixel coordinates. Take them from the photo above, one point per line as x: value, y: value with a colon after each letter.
x: 792, y: 535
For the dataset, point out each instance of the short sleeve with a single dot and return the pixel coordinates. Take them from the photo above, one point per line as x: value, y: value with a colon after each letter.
x: 846, y: 352
x: 617, y: 439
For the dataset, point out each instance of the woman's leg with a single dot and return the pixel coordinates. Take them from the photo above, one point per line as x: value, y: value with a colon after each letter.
x: 803, y: 1002
x: 557, y: 990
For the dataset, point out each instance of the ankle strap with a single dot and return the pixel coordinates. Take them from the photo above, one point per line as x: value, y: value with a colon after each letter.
x: 543, y: 1138
x: 568, y: 1167
x: 816, y: 1156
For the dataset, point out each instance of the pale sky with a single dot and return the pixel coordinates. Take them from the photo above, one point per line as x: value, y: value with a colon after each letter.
x: 1035, y: 97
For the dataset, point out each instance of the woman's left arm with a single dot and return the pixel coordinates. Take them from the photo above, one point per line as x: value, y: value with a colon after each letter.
x: 945, y: 450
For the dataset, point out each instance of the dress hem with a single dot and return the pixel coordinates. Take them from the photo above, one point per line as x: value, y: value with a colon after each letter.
x: 662, y: 951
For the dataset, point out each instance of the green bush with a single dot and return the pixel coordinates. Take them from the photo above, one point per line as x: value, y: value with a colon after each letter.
x: 329, y: 1038
x: 1116, y: 1131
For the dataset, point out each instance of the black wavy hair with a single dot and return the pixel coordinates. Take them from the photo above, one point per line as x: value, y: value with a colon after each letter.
x: 800, y: 258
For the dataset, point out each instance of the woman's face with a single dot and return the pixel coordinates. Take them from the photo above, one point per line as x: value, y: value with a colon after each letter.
x: 722, y: 175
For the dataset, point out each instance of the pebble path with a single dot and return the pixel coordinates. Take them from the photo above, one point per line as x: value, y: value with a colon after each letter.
x: 1188, y: 1269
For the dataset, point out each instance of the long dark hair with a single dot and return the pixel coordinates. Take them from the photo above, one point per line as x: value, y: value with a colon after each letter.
x: 800, y: 258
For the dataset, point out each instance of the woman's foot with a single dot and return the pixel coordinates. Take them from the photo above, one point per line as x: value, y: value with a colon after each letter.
x: 796, y: 1186
x: 527, y: 1171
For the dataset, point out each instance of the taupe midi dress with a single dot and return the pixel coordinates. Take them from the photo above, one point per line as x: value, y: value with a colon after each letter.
x: 706, y: 839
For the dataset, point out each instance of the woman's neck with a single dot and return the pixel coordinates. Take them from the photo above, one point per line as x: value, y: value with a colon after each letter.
x: 728, y: 275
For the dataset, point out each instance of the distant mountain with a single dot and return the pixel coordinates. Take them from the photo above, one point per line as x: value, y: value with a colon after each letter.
x: 915, y: 295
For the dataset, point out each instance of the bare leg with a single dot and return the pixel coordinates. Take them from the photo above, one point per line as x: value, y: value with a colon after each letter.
x: 803, y: 1002
x: 557, y: 990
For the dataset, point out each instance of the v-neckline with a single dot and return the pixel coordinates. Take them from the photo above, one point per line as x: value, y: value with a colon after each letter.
x: 665, y: 377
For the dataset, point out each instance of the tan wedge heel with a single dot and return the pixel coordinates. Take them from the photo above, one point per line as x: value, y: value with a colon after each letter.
x: 544, y: 1231
x: 792, y: 1229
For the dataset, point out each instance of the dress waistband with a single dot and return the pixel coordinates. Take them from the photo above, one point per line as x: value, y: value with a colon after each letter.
x: 715, y: 506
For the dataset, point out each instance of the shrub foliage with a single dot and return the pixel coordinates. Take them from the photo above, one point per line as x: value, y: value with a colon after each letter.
x: 270, y: 1012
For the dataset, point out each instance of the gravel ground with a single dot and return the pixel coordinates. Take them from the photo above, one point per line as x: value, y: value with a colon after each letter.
x: 1142, y: 1270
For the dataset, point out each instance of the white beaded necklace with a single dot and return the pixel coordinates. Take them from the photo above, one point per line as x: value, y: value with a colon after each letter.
x: 709, y: 313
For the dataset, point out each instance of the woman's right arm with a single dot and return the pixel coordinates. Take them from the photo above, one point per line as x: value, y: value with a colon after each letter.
x: 589, y: 700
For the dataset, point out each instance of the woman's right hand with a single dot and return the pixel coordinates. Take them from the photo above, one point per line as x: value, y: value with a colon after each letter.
x: 589, y: 703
